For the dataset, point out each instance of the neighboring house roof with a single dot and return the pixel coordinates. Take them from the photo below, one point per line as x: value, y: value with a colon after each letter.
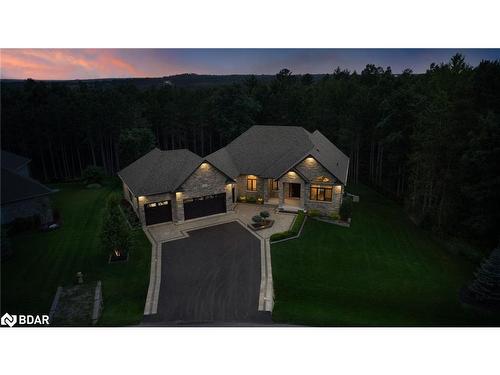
x: 270, y: 151
x: 17, y: 188
x: 13, y: 161
x: 161, y: 171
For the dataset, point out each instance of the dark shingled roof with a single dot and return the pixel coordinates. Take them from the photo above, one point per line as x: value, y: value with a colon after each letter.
x: 17, y: 188
x: 159, y: 171
x: 270, y: 151
x: 12, y: 161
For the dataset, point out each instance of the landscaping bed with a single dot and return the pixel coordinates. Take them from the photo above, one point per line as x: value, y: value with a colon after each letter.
x: 294, y: 230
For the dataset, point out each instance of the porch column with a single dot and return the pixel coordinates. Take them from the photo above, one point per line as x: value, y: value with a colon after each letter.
x: 303, y: 193
x: 281, y: 193
x: 266, y: 189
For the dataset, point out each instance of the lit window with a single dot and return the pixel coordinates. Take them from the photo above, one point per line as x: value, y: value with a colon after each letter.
x: 321, y: 193
x: 251, y: 183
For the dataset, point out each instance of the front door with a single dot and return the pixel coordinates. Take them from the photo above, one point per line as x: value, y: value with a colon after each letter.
x: 294, y: 191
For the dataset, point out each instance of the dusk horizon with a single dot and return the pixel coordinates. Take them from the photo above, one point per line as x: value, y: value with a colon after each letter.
x: 76, y: 64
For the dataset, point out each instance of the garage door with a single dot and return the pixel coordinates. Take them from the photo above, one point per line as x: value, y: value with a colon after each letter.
x: 158, y: 212
x: 204, y: 206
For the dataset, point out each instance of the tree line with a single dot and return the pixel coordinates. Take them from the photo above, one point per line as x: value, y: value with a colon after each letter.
x: 431, y: 141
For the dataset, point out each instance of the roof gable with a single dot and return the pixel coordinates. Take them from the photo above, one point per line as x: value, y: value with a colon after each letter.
x: 159, y: 171
x: 13, y: 161
x: 17, y: 188
x: 270, y: 151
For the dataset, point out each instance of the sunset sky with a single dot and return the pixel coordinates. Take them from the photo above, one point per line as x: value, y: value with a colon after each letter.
x: 118, y: 63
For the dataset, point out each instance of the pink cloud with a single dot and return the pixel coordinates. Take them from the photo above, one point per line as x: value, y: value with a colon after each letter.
x: 65, y: 64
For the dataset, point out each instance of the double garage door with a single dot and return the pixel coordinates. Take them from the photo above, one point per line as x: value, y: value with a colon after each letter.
x: 204, y: 206
x: 161, y: 212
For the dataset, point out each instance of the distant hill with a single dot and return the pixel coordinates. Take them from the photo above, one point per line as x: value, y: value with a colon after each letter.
x: 179, y: 80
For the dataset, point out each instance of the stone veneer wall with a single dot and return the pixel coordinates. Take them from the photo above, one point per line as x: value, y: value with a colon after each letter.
x: 294, y: 178
x: 241, y: 187
x: 206, y: 180
x: 39, y: 206
x: 311, y: 170
x: 155, y: 198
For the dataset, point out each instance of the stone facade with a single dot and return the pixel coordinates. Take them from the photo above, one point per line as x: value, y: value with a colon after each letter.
x: 241, y: 187
x: 291, y: 177
x: 206, y: 180
x: 39, y: 206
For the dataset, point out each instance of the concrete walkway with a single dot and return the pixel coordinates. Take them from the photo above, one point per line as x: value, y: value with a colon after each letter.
x: 243, y: 213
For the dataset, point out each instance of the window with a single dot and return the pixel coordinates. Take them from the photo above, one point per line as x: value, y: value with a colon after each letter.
x: 275, y: 185
x: 251, y: 183
x: 321, y: 193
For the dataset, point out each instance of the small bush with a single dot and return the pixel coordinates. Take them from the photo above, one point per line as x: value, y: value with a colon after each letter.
x: 93, y: 174
x: 251, y: 199
x: 242, y: 199
x: 313, y: 213
x: 264, y: 214
x: 257, y: 219
x: 297, y: 224
x: 334, y: 216
x: 93, y: 186
x: 281, y: 235
x: 345, y: 211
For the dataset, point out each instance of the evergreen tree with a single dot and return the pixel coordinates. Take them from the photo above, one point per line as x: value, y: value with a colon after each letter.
x: 486, y: 286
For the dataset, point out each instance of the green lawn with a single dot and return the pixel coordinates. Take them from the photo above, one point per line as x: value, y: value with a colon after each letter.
x: 383, y: 270
x: 43, y: 261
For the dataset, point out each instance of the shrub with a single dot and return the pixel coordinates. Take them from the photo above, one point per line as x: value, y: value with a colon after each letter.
x: 345, y: 211
x: 93, y: 174
x: 334, y: 216
x: 281, y: 235
x: 313, y: 213
x: 297, y: 224
x: 242, y: 198
x: 260, y: 200
x: 251, y: 199
x: 257, y: 219
x: 115, y: 234
x: 264, y: 214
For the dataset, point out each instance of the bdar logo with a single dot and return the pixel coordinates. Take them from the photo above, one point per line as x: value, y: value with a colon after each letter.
x: 8, y: 320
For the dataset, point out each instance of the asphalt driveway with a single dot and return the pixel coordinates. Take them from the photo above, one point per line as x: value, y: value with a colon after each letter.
x: 213, y: 276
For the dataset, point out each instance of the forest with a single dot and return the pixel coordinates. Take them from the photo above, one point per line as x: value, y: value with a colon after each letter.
x: 430, y: 141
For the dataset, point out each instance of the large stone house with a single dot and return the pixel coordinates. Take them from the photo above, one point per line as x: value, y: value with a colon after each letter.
x: 284, y: 166
x: 22, y: 196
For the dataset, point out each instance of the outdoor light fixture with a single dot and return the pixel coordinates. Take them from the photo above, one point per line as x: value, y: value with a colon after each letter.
x: 204, y: 165
x: 141, y: 197
x: 310, y: 159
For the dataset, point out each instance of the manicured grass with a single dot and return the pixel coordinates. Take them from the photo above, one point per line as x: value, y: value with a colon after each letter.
x: 383, y: 270
x: 43, y: 261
